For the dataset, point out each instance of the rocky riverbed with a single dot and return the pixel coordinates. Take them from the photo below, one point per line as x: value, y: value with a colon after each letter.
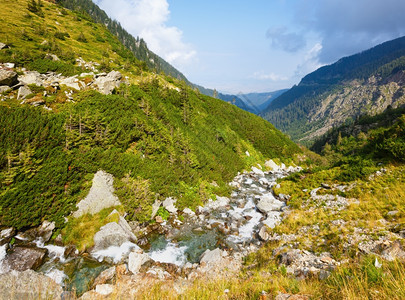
x: 187, y: 245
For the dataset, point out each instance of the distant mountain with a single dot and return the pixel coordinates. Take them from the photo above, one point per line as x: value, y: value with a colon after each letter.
x: 365, y: 83
x: 251, y: 102
x: 263, y: 100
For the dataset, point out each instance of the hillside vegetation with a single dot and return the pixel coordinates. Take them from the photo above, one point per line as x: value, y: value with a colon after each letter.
x: 154, y: 133
x: 363, y: 84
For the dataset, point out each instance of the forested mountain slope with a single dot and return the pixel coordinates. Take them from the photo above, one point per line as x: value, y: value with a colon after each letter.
x: 365, y: 83
x: 156, y: 135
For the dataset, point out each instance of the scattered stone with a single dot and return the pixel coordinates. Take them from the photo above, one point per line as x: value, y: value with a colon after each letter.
x: 268, y: 203
x: 263, y: 234
x: 42, y: 233
x: 23, y: 92
x: 6, y: 235
x: 8, y: 77
x: 168, y: 204
x: 104, y: 289
x: 257, y: 171
x: 3, y: 46
x: 71, y: 82
x: 270, y: 164
x: 31, y: 77
x: 392, y: 213
x: 155, y: 208
x: 24, y: 258
x: 9, y: 65
x: 136, y: 260
x: 107, y: 276
x: 28, y: 285
x: 325, y: 186
x: 211, y: 256
x: 188, y: 211
x: 107, y: 83
x: 4, y: 89
x: 101, y: 195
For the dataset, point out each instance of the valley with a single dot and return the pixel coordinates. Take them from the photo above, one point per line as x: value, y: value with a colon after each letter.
x: 121, y: 179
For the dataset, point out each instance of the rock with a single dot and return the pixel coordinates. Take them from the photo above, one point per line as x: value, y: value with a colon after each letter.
x: 159, y: 219
x: 268, y: 203
x: 282, y: 296
x: 325, y: 186
x: 211, y: 256
x: 106, y: 84
x: 394, y: 251
x: 270, y: 164
x: 28, y: 285
x: 71, y: 82
x: 114, y: 75
x: 168, y: 204
x: 31, y: 77
x: 101, y: 195
x: 6, y: 235
x: 106, y: 276
x: 52, y: 57
x: 23, y: 92
x: 323, y: 274
x: 4, y: 89
x: 136, y: 260
x: 257, y: 171
x: 3, y: 46
x: 109, y: 235
x: 188, y: 211
x: 155, y: 208
x: 8, y: 77
x: 212, y: 205
x: 104, y: 289
x: 125, y: 226
x: 24, y: 258
x: 42, y: 233
x: 9, y: 65
x: 392, y: 213
x: 263, y: 234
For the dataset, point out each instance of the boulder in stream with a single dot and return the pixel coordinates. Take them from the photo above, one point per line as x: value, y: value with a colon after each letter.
x: 211, y: 256
x: 24, y: 258
x: 111, y: 234
x: 136, y: 260
x: 268, y: 203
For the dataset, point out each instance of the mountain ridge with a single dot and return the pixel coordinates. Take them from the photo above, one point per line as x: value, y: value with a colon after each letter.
x: 323, y: 98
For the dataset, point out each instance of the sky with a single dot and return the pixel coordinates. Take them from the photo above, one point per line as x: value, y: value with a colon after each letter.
x: 257, y: 45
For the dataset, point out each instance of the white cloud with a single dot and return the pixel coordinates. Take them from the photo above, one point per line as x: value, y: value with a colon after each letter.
x: 268, y: 76
x: 147, y: 19
x: 311, y: 61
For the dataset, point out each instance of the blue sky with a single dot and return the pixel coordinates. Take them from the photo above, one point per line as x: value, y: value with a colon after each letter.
x: 257, y: 45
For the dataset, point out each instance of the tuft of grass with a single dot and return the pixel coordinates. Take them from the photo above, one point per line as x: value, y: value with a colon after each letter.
x: 80, y: 231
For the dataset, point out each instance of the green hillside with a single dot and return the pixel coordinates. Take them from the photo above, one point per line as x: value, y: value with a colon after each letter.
x: 155, y: 134
x: 365, y: 83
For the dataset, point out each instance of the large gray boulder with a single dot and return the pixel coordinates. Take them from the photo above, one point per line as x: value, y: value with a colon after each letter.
x: 211, y: 256
x: 23, y: 92
x: 28, y: 285
x: 24, y: 258
x: 106, y: 84
x: 136, y: 260
x: 168, y: 203
x: 71, y: 82
x: 101, y: 195
x: 8, y: 77
x: 268, y: 203
x: 111, y: 234
x: 31, y: 77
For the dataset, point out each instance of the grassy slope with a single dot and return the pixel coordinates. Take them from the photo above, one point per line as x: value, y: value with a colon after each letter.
x: 151, y: 137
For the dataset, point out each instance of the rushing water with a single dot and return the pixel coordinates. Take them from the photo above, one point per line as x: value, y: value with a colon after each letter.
x: 225, y: 223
